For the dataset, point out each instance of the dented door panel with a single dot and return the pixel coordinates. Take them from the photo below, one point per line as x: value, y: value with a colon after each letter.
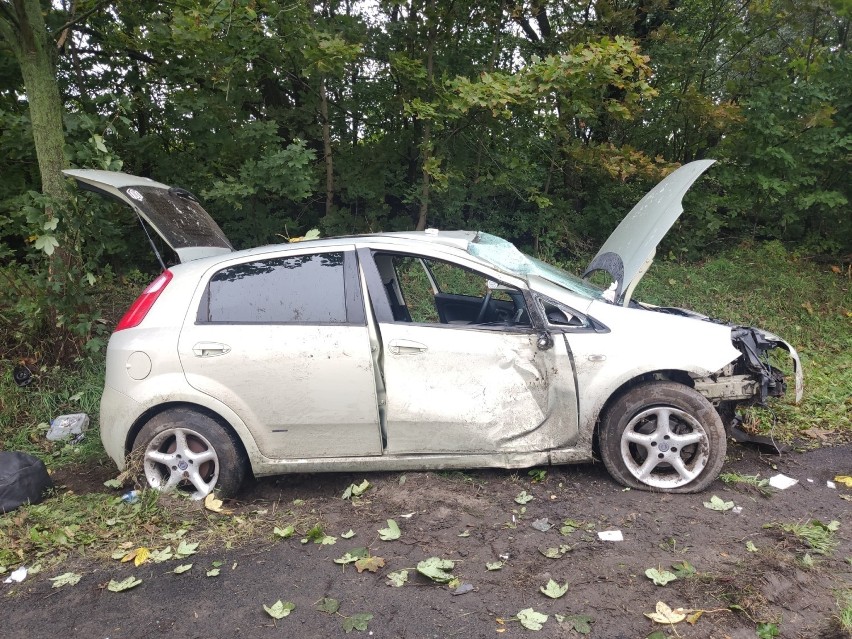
x: 469, y: 390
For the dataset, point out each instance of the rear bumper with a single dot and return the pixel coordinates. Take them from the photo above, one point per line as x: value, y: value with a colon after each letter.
x: 118, y: 413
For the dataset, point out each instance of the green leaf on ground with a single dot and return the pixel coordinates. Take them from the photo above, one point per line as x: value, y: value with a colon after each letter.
x: 182, y: 569
x: 398, y: 578
x: 356, y: 490
x: 494, y: 565
x: 124, y: 584
x: 684, y: 569
x: 391, y: 532
x: 716, y: 503
x: 284, y: 533
x: 435, y: 569
x: 352, y: 556
x: 357, y: 622
x: 523, y: 498
x: 664, y: 614
x: 326, y: 604
x: 530, y: 619
x: 66, y: 579
x: 186, y: 549
x: 750, y: 546
x: 213, y: 572
x: 660, y: 577
x: 581, y: 624
x: 113, y: 483
x: 279, y: 609
x: 554, y: 590
x: 555, y: 552
x: 349, y: 534
x: 159, y: 556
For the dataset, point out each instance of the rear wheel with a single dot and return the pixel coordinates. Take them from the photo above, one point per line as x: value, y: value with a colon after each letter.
x: 190, y: 452
x: 663, y: 436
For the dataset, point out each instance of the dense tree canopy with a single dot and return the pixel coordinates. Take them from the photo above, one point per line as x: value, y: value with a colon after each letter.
x: 542, y: 121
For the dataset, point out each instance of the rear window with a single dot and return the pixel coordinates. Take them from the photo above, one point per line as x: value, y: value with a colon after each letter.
x: 306, y: 289
x: 178, y: 217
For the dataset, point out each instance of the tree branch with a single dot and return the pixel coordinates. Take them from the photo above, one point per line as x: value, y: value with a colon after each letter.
x: 80, y: 18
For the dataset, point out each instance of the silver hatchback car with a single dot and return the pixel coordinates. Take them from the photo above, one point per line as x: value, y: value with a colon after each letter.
x: 420, y: 350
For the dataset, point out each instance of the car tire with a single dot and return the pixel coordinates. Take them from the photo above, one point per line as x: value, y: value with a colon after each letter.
x: 664, y: 437
x: 182, y: 449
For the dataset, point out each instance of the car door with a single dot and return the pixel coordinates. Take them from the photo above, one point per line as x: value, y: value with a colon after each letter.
x: 465, y: 387
x: 283, y: 341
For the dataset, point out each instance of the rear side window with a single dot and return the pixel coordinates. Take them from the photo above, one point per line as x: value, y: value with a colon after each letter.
x: 306, y: 289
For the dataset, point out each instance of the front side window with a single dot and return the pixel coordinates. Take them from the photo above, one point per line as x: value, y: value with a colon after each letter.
x: 305, y: 289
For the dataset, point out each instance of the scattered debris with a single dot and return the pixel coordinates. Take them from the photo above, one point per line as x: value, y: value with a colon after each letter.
x: 22, y: 375
x: 66, y: 426
x: 462, y: 589
x: 17, y: 576
x: 782, y: 482
x: 130, y: 497
x: 610, y: 535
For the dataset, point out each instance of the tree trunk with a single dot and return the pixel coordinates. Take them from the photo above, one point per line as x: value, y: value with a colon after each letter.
x: 426, y: 145
x: 34, y: 50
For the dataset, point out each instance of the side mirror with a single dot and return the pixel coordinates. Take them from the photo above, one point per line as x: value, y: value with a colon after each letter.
x: 545, y: 341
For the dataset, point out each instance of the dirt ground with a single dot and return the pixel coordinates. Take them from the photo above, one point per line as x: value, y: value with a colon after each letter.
x: 473, y: 519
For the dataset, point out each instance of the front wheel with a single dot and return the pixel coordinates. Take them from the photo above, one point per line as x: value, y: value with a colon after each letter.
x: 187, y: 451
x: 663, y: 436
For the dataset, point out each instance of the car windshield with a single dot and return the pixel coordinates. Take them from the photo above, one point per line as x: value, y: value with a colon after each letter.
x: 505, y: 255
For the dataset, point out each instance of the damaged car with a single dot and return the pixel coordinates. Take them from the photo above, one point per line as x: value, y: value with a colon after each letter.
x: 417, y: 350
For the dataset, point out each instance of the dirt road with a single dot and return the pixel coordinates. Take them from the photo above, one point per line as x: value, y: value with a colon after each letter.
x: 474, y: 519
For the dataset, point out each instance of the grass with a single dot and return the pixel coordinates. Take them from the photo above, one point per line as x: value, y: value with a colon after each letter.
x: 814, y: 534
x: 844, y: 616
x: 808, y: 305
x: 754, y: 481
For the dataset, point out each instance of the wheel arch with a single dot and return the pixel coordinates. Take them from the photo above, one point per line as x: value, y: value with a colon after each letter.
x: 669, y: 375
x: 159, y: 409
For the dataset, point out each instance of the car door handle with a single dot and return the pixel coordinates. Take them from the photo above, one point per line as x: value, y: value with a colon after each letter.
x: 210, y: 349
x: 401, y: 346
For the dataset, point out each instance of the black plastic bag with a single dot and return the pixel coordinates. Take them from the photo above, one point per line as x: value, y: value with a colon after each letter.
x: 23, y: 480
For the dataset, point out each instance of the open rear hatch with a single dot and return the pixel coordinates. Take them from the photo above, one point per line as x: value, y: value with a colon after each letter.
x: 174, y: 213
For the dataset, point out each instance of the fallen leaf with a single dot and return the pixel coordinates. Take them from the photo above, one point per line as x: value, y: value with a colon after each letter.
x: 124, y: 584
x: 462, y: 589
x: 846, y: 480
x: 542, y: 524
x: 396, y: 579
x: 390, y: 533
x: 716, y: 503
x: 369, y: 563
x: 684, y: 569
x: 466, y: 533
x: 352, y: 556
x: 660, y: 578
x: 112, y: 483
x: 555, y: 553
x: 436, y: 569
x: 349, y: 534
x: 750, y: 546
x: 554, y: 590
x: 694, y: 617
x: 530, y: 619
x: 327, y: 540
x: 214, y: 504
x: 664, y: 614
x: 326, y: 604
x: 284, y: 533
x: 182, y: 569
x: 357, y: 622
x: 159, y: 556
x: 185, y: 550
x: 65, y: 579
x: 213, y: 572
x: 494, y: 565
x: 523, y: 497
x: 141, y: 556
x: 279, y: 609
x: 581, y: 624
x: 356, y: 490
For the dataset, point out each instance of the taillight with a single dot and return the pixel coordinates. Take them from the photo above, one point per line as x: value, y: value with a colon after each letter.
x: 139, y: 309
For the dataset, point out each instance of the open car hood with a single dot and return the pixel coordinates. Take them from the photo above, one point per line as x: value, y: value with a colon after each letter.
x: 629, y: 251
x: 173, y: 213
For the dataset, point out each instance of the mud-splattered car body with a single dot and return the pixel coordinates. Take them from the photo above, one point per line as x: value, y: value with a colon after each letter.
x: 416, y: 350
